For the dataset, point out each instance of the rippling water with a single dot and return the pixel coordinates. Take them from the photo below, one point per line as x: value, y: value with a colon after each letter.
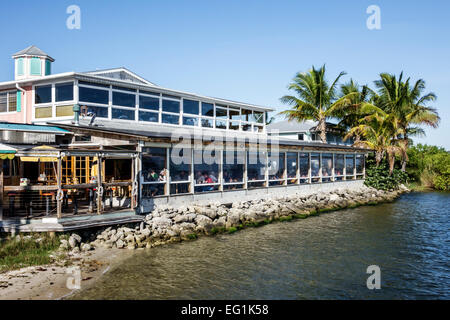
x: 322, y: 257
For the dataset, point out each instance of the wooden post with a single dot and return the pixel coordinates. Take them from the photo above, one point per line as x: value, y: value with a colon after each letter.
x: 58, y: 182
x: 1, y: 189
x: 99, y: 185
x: 133, y: 179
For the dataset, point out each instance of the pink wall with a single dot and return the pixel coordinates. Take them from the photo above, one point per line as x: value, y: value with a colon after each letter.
x: 26, y: 112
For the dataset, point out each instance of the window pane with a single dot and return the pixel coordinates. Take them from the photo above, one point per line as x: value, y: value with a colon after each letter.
x: 292, y: 165
x: 12, y: 101
x: 207, y: 109
x: 304, y: 167
x: 338, y: 164
x: 3, y: 102
x: 315, y: 165
x: 43, y: 94
x: 207, y: 123
x: 45, y: 112
x: 93, y: 84
x: 234, y: 125
x: 170, y: 119
x: 256, y: 165
x: 234, y: 114
x: 276, y: 166
x: 93, y: 95
x: 190, y: 106
x: 124, y: 89
x: 359, y: 164
x: 233, y: 166
x: 205, y: 173
x: 246, y: 127
x: 124, y: 99
x: 258, y: 117
x: 246, y: 115
x: 154, y: 164
x: 220, y: 124
x: 180, y: 169
x: 327, y: 166
x: 349, y: 164
x: 64, y: 111
x: 152, y: 190
x: 148, y: 116
x: 221, y: 113
x: 190, y: 121
x: 148, y: 103
x: 100, y: 112
x: 64, y: 91
x: 171, y: 106
x: 123, y: 114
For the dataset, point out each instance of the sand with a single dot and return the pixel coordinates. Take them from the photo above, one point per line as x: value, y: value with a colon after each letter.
x: 49, y: 282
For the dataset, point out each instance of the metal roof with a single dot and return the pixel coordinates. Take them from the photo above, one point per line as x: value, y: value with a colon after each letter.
x: 32, y: 51
x: 31, y: 128
x: 158, y: 131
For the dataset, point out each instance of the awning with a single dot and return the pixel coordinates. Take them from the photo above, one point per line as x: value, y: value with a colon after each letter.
x: 43, y: 158
x: 7, y: 152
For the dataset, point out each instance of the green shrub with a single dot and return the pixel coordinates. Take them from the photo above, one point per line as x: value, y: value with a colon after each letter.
x: 379, y: 178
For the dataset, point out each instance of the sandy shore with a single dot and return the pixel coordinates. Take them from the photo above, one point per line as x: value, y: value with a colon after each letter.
x: 50, y: 282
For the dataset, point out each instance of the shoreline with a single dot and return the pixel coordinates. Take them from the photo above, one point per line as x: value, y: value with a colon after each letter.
x: 167, y: 225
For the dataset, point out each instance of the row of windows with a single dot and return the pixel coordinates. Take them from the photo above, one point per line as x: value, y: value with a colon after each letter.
x: 205, y: 173
x: 153, y: 107
x: 8, y: 101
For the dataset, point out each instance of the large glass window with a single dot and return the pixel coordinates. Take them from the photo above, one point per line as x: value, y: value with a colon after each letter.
x: 292, y: 165
x: 123, y: 114
x: 276, y: 165
x: 234, y: 114
x: 233, y: 167
x: 100, y: 112
x: 43, y: 94
x: 221, y: 124
x: 338, y: 166
x: 233, y: 125
x: 256, y: 166
x: 8, y: 101
x: 207, y: 123
x: 64, y: 91
x: 154, y: 165
x: 315, y: 167
x: 190, y: 106
x: 327, y: 166
x: 349, y: 165
x: 258, y: 117
x: 124, y: 99
x: 93, y: 95
x: 246, y: 115
x: 190, y: 121
x: 180, y: 171
x: 171, y: 106
x: 207, y: 109
x: 221, y: 113
x: 148, y: 116
x: 206, y: 174
x: 148, y: 103
x: 359, y: 164
x: 170, y: 119
x: 304, y: 167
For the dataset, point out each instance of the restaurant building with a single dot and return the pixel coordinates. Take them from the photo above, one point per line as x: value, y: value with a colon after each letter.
x: 112, y: 144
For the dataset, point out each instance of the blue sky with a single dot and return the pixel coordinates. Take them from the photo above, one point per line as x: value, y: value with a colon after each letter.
x: 240, y: 50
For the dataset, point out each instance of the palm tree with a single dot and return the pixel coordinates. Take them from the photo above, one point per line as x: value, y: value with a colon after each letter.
x: 357, y: 108
x: 315, y: 99
x: 378, y: 131
x: 408, y: 105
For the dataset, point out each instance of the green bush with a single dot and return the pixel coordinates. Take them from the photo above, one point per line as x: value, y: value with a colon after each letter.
x: 379, y: 178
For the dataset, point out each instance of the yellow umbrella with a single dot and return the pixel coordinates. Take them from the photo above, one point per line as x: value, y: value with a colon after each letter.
x: 40, y: 158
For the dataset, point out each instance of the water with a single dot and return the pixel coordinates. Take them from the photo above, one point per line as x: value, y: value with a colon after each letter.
x: 322, y: 257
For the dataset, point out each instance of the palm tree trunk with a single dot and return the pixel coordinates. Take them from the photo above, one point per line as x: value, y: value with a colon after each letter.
x: 391, y: 160
x: 404, y: 154
x: 378, y: 157
x: 322, y: 127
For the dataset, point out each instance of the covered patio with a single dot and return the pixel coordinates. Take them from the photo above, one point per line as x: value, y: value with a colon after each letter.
x: 47, y: 182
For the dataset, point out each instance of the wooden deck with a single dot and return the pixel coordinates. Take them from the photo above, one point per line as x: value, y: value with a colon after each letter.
x: 53, y: 224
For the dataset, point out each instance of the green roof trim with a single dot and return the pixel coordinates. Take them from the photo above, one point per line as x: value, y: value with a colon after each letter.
x: 31, y: 128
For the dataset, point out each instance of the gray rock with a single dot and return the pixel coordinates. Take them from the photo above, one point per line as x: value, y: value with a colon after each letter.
x: 120, y: 244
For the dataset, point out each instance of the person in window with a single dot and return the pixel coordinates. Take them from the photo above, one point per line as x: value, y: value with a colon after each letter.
x: 212, y: 177
x: 152, y: 175
x: 162, y: 175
